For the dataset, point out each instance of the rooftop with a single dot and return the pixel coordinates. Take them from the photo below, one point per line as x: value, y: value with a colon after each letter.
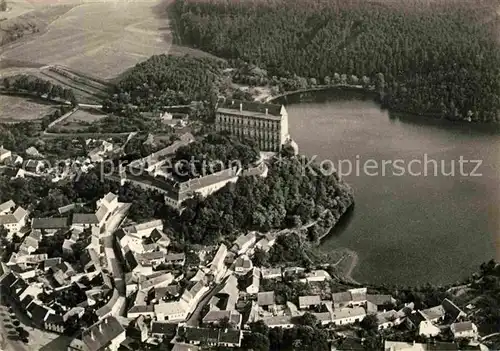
x: 102, y: 333
x: 266, y: 298
x: 50, y: 223
x: 251, y: 109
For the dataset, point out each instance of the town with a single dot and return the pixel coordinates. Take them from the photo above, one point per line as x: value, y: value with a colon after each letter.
x: 117, y: 284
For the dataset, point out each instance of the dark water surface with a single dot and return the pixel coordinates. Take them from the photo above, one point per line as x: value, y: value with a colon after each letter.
x: 406, y: 229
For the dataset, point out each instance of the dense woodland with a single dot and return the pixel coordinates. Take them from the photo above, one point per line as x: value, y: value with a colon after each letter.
x: 213, y: 154
x: 438, y: 59
x: 168, y: 80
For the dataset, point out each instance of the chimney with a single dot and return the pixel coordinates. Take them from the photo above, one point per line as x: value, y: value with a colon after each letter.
x: 241, y: 107
x: 266, y: 111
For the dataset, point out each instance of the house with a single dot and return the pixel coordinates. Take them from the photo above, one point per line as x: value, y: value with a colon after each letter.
x: 268, y: 240
x: 141, y: 310
x: 414, y: 319
x: 344, y: 316
x: 139, y: 329
x: 403, y: 346
x: 217, y: 265
x: 242, y: 265
x: 13, y: 172
x: 106, y: 334
x: 84, y: 220
x: 352, y: 297
x: 243, y: 243
x: 109, y: 201
x: 7, y: 207
x: 14, y: 222
x: 452, y: 311
x: 382, y: 302
x: 209, y: 336
x: 154, y: 258
x: 316, y: 276
x: 214, y: 318
x: 466, y: 330
x: 4, y: 154
x: 177, y: 259
x: 34, y: 166
x: 163, y: 330
x: 309, y: 302
x: 284, y: 322
x: 389, y: 319
x: 157, y: 282
x: 266, y: 300
x: 428, y: 329
x: 271, y: 273
x: 171, y: 311
x: 434, y: 314
x: 254, y: 286
x: 55, y: 323
x: 226, y: 296
x: 49, y: 226
x: 37, y: 313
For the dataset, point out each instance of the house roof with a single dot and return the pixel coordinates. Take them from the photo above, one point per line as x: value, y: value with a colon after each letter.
x: 230, y: 336
x: 54, y: 319
x: 110, y: 197
x: 243, y: 262
x: 348, y: 312
x: 379, y: 299
x: 433, y: 312
x: 102, y: 333
x: 50, y: 223
x: 461, y: 327
x: 7, y: 205
x: 141, y: 309
x: 270, y: 271
x: 341, y: 297
x: 85, y: 218
x: 15, y: 217
x: 416, y: 318
x: 38, y: 312
x: 163, y: 328
x: 309, y: 300
x: 250, y: 108
x: 174, y: 307
x: 266, y: 298
x: 101, y: 212
x: 244, y: 239
x: 208, y: 335
x: 168, y: 277
x: 175, y: 257
x: 215, y: 316
x: 451, y: 309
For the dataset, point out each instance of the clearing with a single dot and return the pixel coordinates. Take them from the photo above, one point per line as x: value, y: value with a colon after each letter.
x: 80, y: 119
x: 21, y: 109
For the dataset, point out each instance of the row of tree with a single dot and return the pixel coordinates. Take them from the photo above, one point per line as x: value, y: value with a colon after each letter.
x: 433, y: 59
x: 40, y: 87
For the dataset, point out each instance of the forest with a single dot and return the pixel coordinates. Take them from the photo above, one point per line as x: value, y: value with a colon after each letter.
x: 168, y: 80
x: 38, y: 86
x: 437, y: 59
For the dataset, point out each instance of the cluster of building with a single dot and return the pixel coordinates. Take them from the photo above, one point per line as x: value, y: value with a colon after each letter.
x: 157, y: 171
x: 36, y: 164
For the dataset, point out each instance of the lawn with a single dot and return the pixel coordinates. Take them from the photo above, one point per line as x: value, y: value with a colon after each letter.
x: 20, y: 109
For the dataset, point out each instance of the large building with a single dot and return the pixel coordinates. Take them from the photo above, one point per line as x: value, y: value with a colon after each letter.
x: 267, y: 124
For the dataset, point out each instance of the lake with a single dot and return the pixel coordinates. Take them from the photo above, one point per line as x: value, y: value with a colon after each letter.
x: 407, y: 228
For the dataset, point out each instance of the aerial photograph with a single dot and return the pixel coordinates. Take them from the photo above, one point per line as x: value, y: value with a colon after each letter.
x: 249, y: 175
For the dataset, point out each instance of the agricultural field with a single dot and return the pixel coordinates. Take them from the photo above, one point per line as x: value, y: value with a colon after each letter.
x: 80, y: 119
x: 21, y: 109
x: 83, y: 38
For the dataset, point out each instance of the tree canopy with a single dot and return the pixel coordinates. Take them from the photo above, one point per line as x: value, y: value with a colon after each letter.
x: 436, y: 58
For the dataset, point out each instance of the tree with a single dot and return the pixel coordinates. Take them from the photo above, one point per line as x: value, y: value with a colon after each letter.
x: 255, y: 341
x: 370, y: 322
x: 3, y: 5
x: 308, y: 319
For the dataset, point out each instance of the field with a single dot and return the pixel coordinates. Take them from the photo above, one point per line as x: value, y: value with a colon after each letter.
x: 20, y: 109
x: 80, y: 119
x: 102, y: 38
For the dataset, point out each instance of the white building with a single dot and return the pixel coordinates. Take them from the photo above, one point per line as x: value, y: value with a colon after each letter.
x: 316, y: 276
x: 244, y: 242
x: 217, y: 266
x: 271, y: 273
x: 464, y: 330
x: 14, y: 222
x: 348, y: 315
x: 4, y: 154
x: 427, y: 329
x: 254, y: 286
x: 172, y: 311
